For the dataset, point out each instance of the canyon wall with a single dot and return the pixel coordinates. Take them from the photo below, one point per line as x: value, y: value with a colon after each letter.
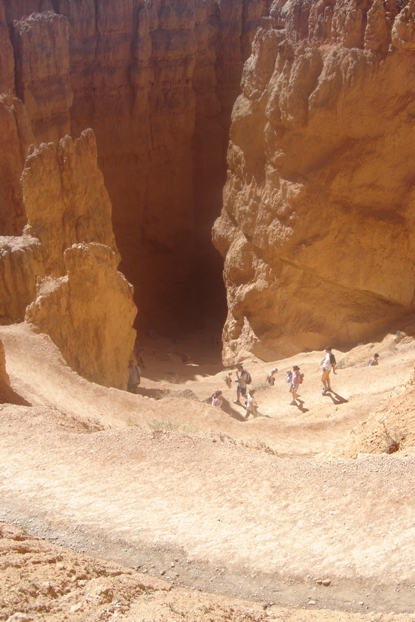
x: 317, y: 221
x: 317, y: 227
x: 62, y: 274
x: 156, y: 81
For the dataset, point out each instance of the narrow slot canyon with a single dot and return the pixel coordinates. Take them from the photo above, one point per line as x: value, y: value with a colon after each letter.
x: 208, y: 153
x: 156, y: 82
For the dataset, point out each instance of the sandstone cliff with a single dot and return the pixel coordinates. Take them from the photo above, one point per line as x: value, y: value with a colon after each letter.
x: 89, y: 313
x: 319, y: 192
x: 64, y: 264
x: 317, y: 227
x: 156, y: 81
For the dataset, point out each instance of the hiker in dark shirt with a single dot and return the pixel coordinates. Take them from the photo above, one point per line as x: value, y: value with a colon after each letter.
x: 241, y: 378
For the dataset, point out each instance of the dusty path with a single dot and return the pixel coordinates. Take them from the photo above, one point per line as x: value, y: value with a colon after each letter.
x: 173, y: 486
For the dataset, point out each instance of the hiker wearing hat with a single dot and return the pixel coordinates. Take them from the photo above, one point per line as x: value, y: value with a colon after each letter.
x: 329, y: 363
x: 243, y: 379
x: 296, y: 380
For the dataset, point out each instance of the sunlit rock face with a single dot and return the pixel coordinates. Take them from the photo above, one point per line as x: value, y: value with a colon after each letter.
x: 317, y: 227
x: 61, y: 273
x: 156, y: 80
x: 89, y: 313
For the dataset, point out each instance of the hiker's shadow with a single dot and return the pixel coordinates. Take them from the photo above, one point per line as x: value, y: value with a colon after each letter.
x: 300, y: 406
x: 258, y: 414
x: 338, y: 399
x: 231, y: 411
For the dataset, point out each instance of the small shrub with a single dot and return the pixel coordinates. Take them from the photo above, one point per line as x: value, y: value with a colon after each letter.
x: 160, y: 425
x: 261, y: 386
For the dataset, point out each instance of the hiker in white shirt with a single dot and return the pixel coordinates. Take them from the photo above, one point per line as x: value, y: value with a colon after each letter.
x: 329, y: 363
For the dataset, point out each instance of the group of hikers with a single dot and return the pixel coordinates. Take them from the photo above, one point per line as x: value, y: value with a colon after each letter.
x: 243, y: 378
x: 293, y: 377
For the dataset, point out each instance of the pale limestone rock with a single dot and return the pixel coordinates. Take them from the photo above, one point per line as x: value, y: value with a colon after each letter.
x: 88, y: 313
x: 84, y: 304
x: 74, y: 293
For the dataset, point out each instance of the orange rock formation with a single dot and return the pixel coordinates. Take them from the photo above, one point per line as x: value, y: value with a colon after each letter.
x: 319, y: 192
x: 317, y: 228
x: 156, y: 82
x: 61, y: 273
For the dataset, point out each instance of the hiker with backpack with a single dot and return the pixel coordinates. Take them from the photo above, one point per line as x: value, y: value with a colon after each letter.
x: 243, y: 378
x: 329, y: 363
x: 296, y: 380
x: 134, y: 377
x: 270, y: 380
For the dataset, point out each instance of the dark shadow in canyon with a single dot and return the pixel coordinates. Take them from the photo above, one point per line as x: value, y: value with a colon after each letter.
x: 9, y: 396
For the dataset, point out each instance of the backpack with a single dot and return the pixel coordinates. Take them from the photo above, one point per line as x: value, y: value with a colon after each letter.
x: 248, y: 378
x: 332, y: 359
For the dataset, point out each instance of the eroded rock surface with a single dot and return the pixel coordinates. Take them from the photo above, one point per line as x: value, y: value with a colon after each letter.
x: 317, y: 228
x: 156, y: 81
x: 64, y: 265
x: 89, y: 313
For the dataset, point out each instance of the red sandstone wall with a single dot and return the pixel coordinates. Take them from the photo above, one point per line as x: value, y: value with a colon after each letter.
x: 156, y: 81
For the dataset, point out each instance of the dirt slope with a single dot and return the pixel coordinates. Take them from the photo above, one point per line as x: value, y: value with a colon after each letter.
x: 259, y: 510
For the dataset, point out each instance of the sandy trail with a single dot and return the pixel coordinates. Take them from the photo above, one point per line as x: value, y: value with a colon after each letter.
x: 214, y: 502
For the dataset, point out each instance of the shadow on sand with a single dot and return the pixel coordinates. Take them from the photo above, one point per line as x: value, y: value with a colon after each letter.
x: 228, y: 408
x: 336, y: 398
x: 300, y: 406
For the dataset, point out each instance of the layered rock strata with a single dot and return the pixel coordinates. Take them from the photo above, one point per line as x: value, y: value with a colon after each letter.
x: 317, y: 227
x: 61, y: 273
x: 156, y: 80
x: 92, y: 307
x: 157, y: 83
